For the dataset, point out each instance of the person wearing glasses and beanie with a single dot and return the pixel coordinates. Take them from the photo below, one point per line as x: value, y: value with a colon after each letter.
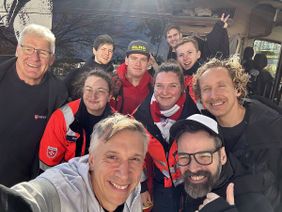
x: 213, y: 179
x: 68, y: 131
x: 29, y: 94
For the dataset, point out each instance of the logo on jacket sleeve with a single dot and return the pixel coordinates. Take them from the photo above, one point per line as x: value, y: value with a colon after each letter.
x: 51, y: 151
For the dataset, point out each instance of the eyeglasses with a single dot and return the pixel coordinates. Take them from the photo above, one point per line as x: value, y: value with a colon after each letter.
x: 98, y: 92
x: 30, y: 50
x: 203, y: 158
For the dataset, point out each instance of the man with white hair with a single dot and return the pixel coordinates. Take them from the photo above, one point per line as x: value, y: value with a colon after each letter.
x: 29, y: 94
x: 106, y: 180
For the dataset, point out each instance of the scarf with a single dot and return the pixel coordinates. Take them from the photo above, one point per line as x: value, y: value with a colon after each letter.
x: 164, y: 119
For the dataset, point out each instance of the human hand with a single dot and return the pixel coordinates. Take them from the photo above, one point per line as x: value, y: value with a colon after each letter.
x: 230, y: 194
x: 146, y: 200
x: 212, y: 196
x: 209, y: 198
x: 224, y: 19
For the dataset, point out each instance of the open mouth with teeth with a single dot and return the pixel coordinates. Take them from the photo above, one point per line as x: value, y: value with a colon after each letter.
x: 197, y: 179
x: 119, y: 187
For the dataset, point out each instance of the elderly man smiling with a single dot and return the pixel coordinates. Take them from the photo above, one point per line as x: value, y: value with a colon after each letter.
x: 106, y: 180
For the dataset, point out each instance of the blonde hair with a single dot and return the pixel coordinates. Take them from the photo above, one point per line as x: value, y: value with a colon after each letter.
x: 235, y: 70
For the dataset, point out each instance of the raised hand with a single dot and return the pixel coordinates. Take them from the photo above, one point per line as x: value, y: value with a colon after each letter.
x: 224, y: 19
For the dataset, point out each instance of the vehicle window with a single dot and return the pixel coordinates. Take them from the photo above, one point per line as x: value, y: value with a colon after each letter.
x: 272, y: 51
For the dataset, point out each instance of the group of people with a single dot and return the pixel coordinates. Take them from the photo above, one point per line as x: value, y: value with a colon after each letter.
x: 163, y: 153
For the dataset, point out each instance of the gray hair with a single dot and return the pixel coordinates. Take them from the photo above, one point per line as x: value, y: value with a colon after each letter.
x: 40, y: 31
x: 110, y: 126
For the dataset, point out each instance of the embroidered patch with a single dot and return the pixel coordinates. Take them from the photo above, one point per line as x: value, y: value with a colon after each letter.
x: 51, y: 151
x: 36, y: 117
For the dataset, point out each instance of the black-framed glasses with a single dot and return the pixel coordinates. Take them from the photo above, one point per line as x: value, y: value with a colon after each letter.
x: 203, y: 158
x: 30, y: 50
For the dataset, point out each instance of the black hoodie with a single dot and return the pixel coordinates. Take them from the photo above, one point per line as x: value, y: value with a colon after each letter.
x: 247, y: 192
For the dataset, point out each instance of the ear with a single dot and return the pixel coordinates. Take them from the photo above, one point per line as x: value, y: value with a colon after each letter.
x: 126, y: 60
x: 237, y: 92
x: 52, y: 59
x: 94, y: 51
x: 223, y: 156
x: 110, y: 97
x: 198, y: 54
x: 180, y: 35
x: 91, y: 162
x: 18, y: 49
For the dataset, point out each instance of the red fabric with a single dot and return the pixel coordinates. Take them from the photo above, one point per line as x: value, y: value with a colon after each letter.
x: 188, y: 81
x: 54, y: 147
x: 133, y: 96
x: 164, y: 163
x: 156, y: 113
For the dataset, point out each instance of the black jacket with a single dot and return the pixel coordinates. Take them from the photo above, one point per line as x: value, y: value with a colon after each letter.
x: 28, y: 167
x: 57, y: 90
x: 74, y: 76
x: 259, y: 147
x: 247, y: 192
x: 216, y: 44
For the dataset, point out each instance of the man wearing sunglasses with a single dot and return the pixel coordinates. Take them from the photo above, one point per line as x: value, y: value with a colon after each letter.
x: 213, y: 180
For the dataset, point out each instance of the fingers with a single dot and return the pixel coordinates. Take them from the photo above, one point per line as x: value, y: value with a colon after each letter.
x: 146, y: 200
x: 230, y: 194
x: 222, y: 17
x: 226, y: 18
x: 210, y: 197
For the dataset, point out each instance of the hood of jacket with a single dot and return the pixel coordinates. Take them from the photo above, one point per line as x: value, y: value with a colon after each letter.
x: 72, y: 181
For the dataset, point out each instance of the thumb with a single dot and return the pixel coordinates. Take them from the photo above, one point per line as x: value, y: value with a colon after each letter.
x: 230, y: 194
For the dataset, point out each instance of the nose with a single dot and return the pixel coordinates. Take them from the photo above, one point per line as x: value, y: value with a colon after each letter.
x: 213, y: 93
x: 35, y: 55
x: 123, y: 170
x: 193, y: 165
x: 165, y: 90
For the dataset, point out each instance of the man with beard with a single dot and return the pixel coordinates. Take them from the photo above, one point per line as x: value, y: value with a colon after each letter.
x: 210, y: 175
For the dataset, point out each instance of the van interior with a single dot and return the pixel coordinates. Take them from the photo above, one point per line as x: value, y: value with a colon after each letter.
x: 256, y: 23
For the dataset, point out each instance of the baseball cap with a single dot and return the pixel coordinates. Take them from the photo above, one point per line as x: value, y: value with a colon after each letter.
x: 138, y: 47
x: 195, y: 122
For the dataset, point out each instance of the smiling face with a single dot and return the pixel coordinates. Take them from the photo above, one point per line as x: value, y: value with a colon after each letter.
x: 173, y: 36
x: 218, y: 93
x: 167, y: 89
x: 187, y: 55
x: 96, y: 95
x: 200, y: 179
x: 31, y: 68
x: 104, y: 53
x: 116, y: 167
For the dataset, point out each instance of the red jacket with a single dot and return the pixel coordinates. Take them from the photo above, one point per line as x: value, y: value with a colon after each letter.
x: 128, y: 97
x: 64, y: 136
x: 58, y: 141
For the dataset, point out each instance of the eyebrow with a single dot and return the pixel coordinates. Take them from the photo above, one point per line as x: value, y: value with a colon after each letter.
x: 114, y: 152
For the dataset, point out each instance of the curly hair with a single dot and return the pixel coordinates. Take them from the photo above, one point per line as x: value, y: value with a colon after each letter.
x: 236, y: 72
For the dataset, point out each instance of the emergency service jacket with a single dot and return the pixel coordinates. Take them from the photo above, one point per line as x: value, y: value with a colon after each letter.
x: 162, y: 153
x: 64, y: 137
